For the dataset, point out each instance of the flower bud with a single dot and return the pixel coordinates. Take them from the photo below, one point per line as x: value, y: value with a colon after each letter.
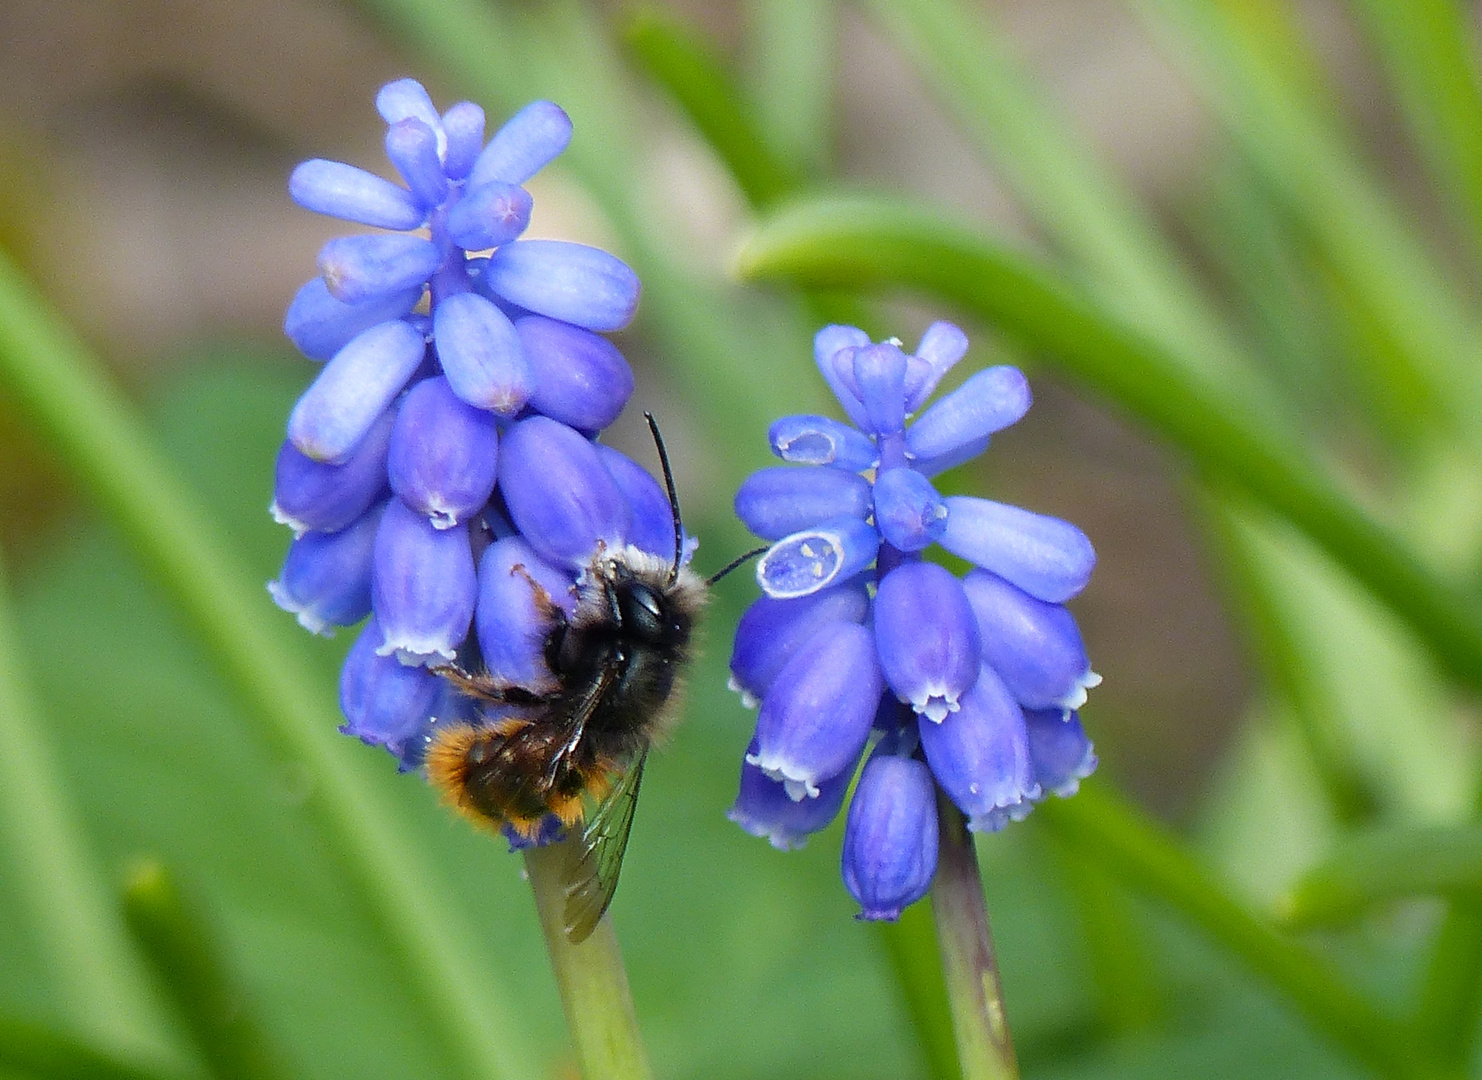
x: 443, y: 454
x: 558, y: 494
x: 571, y: 282
x: 1048, y: 558
x: 326, y: 578
x: 927, y: 636
x: 980, y: 756
x: 890, y: 837
x: 817, y: 714
x: 777, y: 501
x: 423, y: 586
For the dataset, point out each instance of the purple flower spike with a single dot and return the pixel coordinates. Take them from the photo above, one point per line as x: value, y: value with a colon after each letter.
x: 572, y: 282
x: 531, y: 140
x: 778, y: 501
x: 817, y: 440
x: 1046, y: 557
x: 412, y: 146
x: 489, y: 215
x: 890, y: 837
x: 321, y: 326
x: 385, y: 703
x: 463, y: 124
x: 1035, y: 647
x: 880, y: 373
x: 928, y: 638
x: 344, y: 191
x: 989, y: 401
x: 359, y: 268
x: 580, y: 379
x: 980, y: 756
x: 763, y: 807
x: 826, y: 344
x: 908, y: 511
x: 772, y: 632
x: 326, y: 578
x: 652, y: 526
x: 811, y: 560
x: 817, y: 714
x: 481, y: 354
x: 1060, y: 751
x: 559, y: 496
x: 962, y: 659
x: 354, y: 389
x: 516, y: 589
x: 423, y: 587
x: 443, y: 454
x: 310, y: 495
x: 941, y: 347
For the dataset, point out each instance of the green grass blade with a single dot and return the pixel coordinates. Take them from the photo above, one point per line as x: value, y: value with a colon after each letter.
x: 910, y: 944
x: 792, y: 49
x: 55, y: 383
x: 679, y: 62
x: 1130, y: 848
x: 36, y: 1052
x: 191, y: 966
x: 865, y: 243
x: 1364, y: 237
x: 1428, y: 48
x: 1379, y: 866
x: 1091, y: 216
x: 97, y: 978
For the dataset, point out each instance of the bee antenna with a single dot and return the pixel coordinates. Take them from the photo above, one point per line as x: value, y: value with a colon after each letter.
x: 653, y: 426
x: 735, y: 563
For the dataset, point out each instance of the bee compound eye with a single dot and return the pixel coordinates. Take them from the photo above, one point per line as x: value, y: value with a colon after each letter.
x: 643, y: 612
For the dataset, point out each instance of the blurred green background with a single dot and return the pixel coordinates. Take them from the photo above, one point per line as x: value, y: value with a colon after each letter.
x: 1284, y: 196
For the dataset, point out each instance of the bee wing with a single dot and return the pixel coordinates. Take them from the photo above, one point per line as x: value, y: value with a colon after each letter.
x: 593, y: 874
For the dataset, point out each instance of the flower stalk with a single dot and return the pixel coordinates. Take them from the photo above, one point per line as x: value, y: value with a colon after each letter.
x: 590, y: 977
x: 985, y: 1049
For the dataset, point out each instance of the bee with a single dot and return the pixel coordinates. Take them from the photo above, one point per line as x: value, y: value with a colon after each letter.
x: 548, y: 750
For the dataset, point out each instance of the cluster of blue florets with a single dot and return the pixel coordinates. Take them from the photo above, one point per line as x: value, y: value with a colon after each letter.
x: 969, y: 684
x: 443, y: 463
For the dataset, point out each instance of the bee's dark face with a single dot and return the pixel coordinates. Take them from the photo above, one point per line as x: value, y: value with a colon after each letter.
x: 648, y: 616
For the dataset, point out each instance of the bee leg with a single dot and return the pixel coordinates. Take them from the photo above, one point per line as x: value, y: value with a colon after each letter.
x: 544, y: 603
x: 480, y: 687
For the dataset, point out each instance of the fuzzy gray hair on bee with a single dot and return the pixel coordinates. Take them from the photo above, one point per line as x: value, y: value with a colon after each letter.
x: 549, y: 750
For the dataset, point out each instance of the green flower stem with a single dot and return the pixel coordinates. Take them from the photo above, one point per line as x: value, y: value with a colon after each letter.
x: 590, y: 976
x: 985, y: 1050
x: 868, y: 243
x: 40, y: 1053
x: 1426, y: 46
x: 184, y: 951
x: 911, y: 945
x: 1142, y: 855
x: 50, y: 378
x: 98, y: 981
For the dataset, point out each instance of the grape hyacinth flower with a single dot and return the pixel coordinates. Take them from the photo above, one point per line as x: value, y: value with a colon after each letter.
x: 441, y: 468
x: 969, y: 685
